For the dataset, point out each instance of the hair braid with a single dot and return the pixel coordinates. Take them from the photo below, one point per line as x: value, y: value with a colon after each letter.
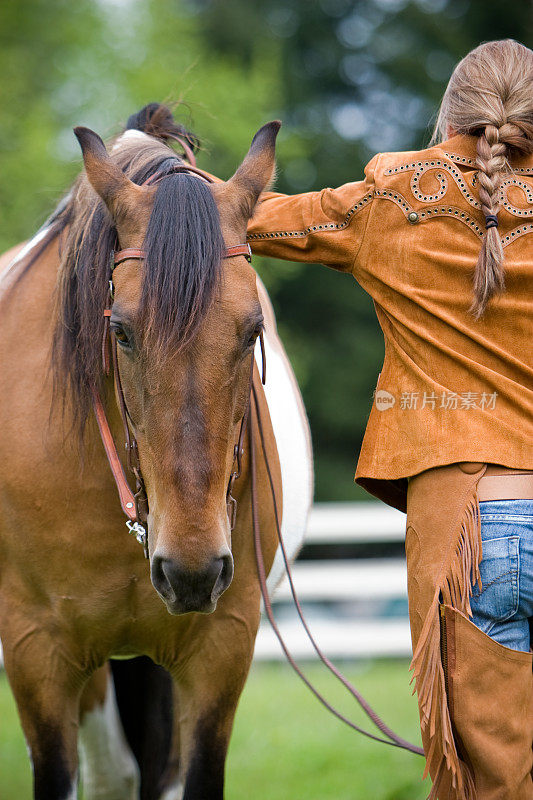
x: 490, y: 96
x: 491, y: 161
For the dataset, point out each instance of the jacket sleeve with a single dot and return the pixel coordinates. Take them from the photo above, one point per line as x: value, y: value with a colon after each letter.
x: 325, y: 227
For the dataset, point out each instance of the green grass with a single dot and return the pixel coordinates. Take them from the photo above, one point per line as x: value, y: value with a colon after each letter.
x: 285, y: 746
x: 15, y: 774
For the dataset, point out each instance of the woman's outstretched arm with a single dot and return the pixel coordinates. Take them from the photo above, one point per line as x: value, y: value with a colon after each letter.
x: 324, y: 227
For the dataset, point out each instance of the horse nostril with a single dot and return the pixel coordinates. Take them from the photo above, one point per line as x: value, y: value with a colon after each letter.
x: 160, y: 580
x: 224, y: 578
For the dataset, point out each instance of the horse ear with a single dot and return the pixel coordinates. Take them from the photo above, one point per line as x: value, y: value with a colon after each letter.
x: 106, y: 178
x: 257, y: 170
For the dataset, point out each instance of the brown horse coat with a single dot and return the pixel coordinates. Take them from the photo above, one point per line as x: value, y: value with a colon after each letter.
x: 74, y: 587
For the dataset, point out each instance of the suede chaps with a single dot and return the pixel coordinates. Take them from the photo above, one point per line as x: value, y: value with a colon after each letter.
x: 475, y: 696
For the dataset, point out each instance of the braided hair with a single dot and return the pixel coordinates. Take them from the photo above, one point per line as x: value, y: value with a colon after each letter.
x: 490, y: 96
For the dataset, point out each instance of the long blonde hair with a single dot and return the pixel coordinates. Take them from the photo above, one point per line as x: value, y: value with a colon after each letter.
x: 490, y: 96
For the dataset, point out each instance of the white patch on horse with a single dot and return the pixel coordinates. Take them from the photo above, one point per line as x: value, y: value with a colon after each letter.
x: 131, y: 133
x: 108, y: 768
x: 293, y: 441
x: 174, y: 792
x: 25, y: 250
x: 73, y: 794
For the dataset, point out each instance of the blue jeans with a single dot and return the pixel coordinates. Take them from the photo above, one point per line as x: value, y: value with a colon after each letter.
x: 504, y: 606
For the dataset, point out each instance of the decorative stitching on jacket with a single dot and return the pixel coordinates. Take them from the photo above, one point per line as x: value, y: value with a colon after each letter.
x: 428, y: 198
x: 516, y: 233
x: 461, y: 159
x: 327, y: 226
x: 450, y: 211
x: 421, y: 167
x: 396, y: 198
x: 471, y: 162
x: 518, y: 212
x: 429, y: 213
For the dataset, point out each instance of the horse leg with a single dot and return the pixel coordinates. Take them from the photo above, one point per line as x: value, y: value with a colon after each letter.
x: 46, y: 684
x: 107, y: 766
x: 144, y: 696
x: 210, y: 677
x: 170, y: 785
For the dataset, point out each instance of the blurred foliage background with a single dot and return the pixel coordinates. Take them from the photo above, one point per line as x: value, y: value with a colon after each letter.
x: 349, y: 78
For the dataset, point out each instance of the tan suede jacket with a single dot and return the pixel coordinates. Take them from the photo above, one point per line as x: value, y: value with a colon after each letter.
x: 451, y: 388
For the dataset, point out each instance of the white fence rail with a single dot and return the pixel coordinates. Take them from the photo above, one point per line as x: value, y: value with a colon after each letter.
x: 345, y: 601
x: 331, y: 523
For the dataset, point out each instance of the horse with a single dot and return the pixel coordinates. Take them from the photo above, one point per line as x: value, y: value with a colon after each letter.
x: 75, y: 589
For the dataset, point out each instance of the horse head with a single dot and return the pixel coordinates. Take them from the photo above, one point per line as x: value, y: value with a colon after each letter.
x: 185, y: 319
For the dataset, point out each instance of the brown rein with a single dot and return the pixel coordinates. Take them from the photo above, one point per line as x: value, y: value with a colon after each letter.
x: 135, y: 505
x: 393, y: 739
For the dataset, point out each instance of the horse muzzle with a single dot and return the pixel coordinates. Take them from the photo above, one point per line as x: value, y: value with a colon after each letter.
x: 184, y: 590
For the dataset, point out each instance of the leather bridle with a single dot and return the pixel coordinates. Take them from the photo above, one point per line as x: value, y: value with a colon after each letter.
x: 135, y: 504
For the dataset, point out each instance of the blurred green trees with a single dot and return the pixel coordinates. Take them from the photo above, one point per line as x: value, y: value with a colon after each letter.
x: 348, y: 78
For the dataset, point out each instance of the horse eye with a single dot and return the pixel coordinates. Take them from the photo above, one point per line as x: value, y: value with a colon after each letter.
x: 120, y: 335
x: 253, y: 337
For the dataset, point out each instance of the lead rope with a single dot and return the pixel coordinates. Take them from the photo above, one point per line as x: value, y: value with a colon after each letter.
x: 393, y: 739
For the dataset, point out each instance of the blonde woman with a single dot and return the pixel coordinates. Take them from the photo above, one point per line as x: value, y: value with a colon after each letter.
x: 442, y: 240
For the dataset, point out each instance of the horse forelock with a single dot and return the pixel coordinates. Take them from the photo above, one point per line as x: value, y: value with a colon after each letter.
x: 180, y: 275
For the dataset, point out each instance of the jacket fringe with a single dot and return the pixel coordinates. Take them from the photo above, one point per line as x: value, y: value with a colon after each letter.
x: 454, y: 586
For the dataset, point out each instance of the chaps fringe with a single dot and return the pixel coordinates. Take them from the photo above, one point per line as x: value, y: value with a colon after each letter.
x: 455, y: 586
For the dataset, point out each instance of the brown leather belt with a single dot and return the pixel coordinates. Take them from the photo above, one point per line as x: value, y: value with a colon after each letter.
x: 504, y: 483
